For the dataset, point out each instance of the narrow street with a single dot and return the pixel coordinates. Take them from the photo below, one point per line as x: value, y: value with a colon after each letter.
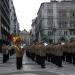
x: 31, y: 68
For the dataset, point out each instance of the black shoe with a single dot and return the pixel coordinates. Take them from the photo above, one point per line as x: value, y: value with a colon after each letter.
x: 60, y: 66
x: 43, y: 67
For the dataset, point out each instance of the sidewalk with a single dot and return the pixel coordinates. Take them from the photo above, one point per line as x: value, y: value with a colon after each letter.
x: 31, y: 68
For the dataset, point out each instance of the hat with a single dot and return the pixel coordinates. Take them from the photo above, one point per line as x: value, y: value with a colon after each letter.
x: 18, y: 40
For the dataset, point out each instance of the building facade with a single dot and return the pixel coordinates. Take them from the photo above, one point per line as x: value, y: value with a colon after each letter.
x: 68, y: 0
x: 56, y: 21
x: 25, y: 36
x: 4, y: 19
x: 14, y: 25
x: 33, y: 36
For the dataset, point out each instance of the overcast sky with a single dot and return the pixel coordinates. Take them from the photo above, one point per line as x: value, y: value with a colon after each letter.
x: 26, y: 10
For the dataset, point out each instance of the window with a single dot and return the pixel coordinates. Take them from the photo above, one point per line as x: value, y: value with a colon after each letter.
x: 50, y: 33
x: 62, y: 24
x: 50, y: 21
x: 62, y: 13
x: 72, y: 23
x: 74, y: 32
x: 49, y: 12
x: 65, y: 32
x: 60, y: 33
x: 70, y: 32
x: 72, y: 13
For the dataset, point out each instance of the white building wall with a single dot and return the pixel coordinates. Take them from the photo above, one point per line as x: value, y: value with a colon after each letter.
x: 59, y: 32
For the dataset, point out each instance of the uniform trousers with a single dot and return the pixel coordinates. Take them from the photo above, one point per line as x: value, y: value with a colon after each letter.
x: 67, y: 57
x: 59, y: 61
x: 70, y: 57
x: 8, y: 56
x: 33, y: 56
x: 73, y: 54
x: 37, y: 59
x: 4, y: 58
x: 27, y: 53
x: 19, y: 62
x: 42, y: 61
x: 48, y: 58
x: 64, y: 56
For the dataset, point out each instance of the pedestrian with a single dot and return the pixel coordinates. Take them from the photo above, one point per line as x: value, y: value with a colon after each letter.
x: 48, y: 53
x: 42, y: 50
x: 19, y: 53
x: 4, y: 51
x: 64, y: 51
x: 60, y: 55
x: 36, y: 53
x: 33, y: 52
x: 7, y: 53
x: 67, y: 51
